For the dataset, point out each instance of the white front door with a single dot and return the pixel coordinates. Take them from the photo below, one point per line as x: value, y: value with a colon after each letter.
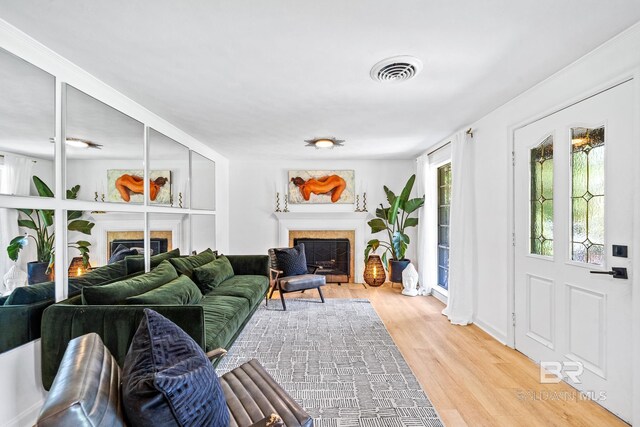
x: 573, y: 204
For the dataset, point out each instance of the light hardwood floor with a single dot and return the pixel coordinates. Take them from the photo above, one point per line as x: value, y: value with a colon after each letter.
x: 472, y: 379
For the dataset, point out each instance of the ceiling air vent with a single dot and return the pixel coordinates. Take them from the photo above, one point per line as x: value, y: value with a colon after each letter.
x: 396, y: 69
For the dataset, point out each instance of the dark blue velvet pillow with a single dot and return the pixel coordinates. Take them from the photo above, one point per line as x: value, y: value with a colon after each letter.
x: 167, y: 380
x: 120, y: 253
x: 292, y: 261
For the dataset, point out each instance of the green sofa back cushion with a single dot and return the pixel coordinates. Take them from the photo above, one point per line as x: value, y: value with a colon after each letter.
x: 47, y: 290
x: 180, y: 291
x: 186, y: 265
x: 135, y: 263
x: 213, y: 273
x: 118, y: 292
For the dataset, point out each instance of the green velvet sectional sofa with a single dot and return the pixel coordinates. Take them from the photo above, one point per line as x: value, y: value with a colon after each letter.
x: 21, y: 311
x: 226, y: 301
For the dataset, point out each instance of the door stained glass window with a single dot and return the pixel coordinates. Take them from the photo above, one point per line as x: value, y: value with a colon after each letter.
x: 587, y: 195
x: 541, y: 240
x: 444, y: 202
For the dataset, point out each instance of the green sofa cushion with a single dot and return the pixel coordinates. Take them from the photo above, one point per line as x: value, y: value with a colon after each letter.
x: 102, y: 274
x: 250, y: 287
x: 47, y: 290
x: 223, y: 317
x: 135, y: 263
x: 118, y: 292
x: 186, y: 265
x: 181, y: 291
x: 213, y: 273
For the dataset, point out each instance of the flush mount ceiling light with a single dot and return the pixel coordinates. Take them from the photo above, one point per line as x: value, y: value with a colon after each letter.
x: 324, y: 142
x: 396, y: 69
x: 79, y: 143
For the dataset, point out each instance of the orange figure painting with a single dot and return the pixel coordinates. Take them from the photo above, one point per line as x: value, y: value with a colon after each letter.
x: 317, y: 187
x: 128, y: 184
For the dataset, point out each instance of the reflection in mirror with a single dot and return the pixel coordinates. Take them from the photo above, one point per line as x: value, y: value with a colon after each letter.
x: 168, y: 171
x: 203, y: 232
x: 26, y: 271
x: 203, y: 176
x: 115, y: 236
x: 104, y: 151
x: 168, y: 232
x: 27, y: 126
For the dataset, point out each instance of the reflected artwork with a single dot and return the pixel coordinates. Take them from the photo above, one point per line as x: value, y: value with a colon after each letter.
x: 127, y: 186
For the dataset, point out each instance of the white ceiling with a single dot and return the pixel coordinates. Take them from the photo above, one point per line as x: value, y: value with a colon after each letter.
x: 256, y: 78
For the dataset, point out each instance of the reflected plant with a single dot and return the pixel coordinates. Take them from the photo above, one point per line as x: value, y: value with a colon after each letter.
x: 39, y: 222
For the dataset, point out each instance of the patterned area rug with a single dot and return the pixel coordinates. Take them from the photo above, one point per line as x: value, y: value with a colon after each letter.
x: 337, y: 360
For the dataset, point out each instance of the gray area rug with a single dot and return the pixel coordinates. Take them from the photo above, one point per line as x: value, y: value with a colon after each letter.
x: 337, y: 360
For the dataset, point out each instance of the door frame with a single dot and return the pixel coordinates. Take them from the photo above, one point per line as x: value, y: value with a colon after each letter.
x: 633, y: 76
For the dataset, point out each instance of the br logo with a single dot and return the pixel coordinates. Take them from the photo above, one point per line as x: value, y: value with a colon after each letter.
x: 554, y: 372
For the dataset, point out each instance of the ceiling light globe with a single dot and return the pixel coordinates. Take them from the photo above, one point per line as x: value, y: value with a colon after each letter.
x: 324, y: 143
x: 77, y: 143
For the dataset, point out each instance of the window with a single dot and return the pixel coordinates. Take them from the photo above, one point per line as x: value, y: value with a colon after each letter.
x: 587, y: 195
x: 444, y: 201
x: 541, y: 197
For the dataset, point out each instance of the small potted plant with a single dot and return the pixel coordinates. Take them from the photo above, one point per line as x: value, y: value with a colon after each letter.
x: 394, y: 220
x: 39, y: 221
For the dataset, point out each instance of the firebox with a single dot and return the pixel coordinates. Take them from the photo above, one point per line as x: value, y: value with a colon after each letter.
x: 332, y: 255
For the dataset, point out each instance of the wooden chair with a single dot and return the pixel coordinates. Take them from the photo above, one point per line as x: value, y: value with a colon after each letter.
x: 285, y: 284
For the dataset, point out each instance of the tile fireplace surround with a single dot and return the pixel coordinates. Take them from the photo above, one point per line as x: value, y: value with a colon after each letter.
x: 330, y: 222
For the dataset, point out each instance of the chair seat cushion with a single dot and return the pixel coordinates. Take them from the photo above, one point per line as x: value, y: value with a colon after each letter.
x: 301, y: 282
x: 252, y: 395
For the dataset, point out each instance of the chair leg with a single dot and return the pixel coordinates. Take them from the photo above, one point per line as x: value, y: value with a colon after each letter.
x: 273, y: 288
x: 284, y: 305
x: 320, y: 292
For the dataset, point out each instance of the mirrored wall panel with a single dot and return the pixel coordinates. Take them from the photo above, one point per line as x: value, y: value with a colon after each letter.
x: 104, y: 151
x: 27, y: 128
x: 203, y: 179
x: 169, y: 232
x: 168, y: 171
x: 112, y: 237
x: 27, y: 244
x: 203, y: 232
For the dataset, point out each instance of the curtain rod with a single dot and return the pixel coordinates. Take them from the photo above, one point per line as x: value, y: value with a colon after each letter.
x: 2, y: 157
x: 468, y: 132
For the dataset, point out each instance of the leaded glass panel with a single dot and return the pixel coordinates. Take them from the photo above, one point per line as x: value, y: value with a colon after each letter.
x: 541, y: 234
x: 587, y: 195
x: 444, y: 201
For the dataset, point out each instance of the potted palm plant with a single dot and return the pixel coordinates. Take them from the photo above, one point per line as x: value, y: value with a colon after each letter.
x: 39, y: 221
x: 394, y: 220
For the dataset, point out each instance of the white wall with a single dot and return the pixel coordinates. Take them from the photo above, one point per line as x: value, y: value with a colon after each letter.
x: 617, y: 58
x: 253, y: 185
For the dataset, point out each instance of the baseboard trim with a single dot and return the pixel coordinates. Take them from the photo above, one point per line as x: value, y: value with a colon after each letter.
x: 499, y: 336
x: 439, y: 296
x: 27, y: 417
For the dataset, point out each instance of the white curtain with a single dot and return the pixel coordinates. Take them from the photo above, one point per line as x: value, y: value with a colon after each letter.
x: 15, y: 180
x: 460, y: 307
x: 422, y: 176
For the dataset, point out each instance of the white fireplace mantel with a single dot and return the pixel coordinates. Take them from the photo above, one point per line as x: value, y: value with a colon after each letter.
x: 318, y: 221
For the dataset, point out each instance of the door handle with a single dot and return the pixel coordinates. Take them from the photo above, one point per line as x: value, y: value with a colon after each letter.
x: 616, y: 272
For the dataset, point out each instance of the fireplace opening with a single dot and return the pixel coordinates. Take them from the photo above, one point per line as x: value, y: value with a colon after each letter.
x: 158, y: 245
x: 333, y: 255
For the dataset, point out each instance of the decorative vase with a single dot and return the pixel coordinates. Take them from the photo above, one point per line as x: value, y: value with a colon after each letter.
x: 397, y: 267
x: 374, y: 274
x: 14, y: 278
x: 37, y: 272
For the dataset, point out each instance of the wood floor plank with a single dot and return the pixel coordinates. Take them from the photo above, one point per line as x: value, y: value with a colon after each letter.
x: 472, y: 379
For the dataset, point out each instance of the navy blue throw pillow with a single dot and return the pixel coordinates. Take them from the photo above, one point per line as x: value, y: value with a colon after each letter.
x: 292, y: 261
x: 120, y: 252
x: 167, y: 380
